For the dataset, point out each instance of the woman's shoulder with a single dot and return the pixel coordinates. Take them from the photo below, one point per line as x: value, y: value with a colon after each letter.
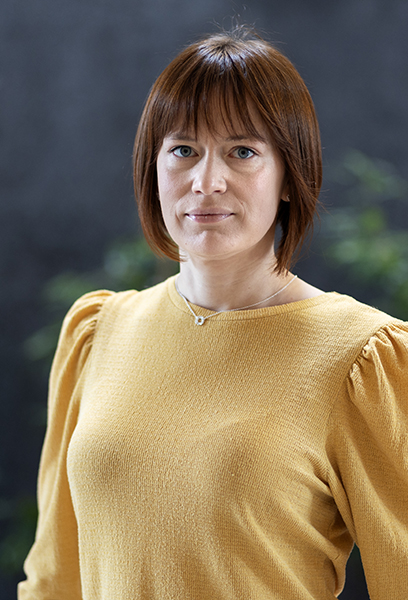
x: 88, y: 309
x: 354, y: 318
x: 386, y: 351
x: 108, y: 313
x: 339, y: 328
x: 81, y: 319
x: 383, y: 356
x: 379, y: 342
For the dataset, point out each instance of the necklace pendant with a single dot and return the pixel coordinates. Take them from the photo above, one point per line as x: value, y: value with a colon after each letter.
x: 199, y: 320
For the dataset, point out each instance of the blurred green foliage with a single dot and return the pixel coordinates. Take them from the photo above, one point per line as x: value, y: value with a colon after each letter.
x: 21, y: 516
x: 357, y: 239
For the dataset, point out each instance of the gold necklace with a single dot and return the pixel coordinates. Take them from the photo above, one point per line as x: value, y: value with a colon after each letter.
x: 199, y: 320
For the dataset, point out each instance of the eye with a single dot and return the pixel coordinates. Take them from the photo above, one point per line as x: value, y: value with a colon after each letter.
x: 182, y: 151
x: 243, y: 152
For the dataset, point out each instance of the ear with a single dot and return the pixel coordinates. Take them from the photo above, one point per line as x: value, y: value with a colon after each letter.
x: 285, y: 191
x: 285, y: 195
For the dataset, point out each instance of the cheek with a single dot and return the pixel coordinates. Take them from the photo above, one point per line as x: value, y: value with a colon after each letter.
x: 266, y: 191
x: 161, y: 180
x: 162, y: 171
x: 168, y: 199
x: 169, y: 184
x: 165, y: 193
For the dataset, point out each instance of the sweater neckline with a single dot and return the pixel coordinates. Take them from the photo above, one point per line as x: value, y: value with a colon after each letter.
x: 255, y: 313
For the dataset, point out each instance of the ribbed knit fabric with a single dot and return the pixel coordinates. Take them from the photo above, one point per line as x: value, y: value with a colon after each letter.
x: 237, y: 460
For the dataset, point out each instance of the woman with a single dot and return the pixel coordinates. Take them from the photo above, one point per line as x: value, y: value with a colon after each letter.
x: 229, y: 433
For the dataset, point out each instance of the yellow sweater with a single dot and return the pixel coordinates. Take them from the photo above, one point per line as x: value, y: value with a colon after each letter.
x: 233, y: 461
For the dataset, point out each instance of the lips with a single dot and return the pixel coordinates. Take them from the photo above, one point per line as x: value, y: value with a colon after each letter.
x: 210, y: 215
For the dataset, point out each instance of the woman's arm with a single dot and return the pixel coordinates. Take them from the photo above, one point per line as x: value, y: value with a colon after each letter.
x: 368, y: 451
x: 52, y: 566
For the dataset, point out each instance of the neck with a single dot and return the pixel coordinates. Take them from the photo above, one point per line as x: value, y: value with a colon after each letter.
x: 227, y: 285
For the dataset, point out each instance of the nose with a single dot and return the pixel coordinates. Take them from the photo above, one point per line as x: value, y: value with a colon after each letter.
x: 209, y: 176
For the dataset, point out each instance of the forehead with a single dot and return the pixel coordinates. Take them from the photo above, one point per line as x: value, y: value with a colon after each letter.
x: 219, y: 131
x: 220, y: 116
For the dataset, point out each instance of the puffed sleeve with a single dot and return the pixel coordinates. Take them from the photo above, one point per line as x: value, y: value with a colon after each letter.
x: 368, y: 453
x: 52, y: 566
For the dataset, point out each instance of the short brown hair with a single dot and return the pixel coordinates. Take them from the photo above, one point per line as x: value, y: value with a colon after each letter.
x: 233, y: 69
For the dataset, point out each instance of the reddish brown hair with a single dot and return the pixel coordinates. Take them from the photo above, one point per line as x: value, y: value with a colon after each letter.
x: 233, y: 70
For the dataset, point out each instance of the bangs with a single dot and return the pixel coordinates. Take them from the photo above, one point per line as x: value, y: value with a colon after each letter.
x: 212, y: 93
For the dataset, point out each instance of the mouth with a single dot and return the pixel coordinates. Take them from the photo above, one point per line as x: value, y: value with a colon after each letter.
x: 208, y: 216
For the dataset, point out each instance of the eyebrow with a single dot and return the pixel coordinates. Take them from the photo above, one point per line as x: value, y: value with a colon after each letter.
x: 181, y: 136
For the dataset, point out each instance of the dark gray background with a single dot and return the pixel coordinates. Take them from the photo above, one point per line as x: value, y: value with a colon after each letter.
x: 73, y: 79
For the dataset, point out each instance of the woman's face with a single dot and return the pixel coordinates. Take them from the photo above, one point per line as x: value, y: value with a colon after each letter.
x: 219, y: 195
